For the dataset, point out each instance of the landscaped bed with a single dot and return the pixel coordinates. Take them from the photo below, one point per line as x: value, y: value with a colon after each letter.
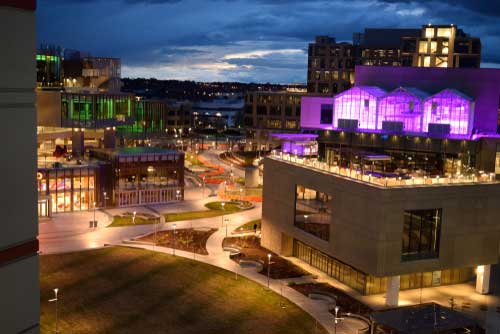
x: 214, y: 210
x: 185, y: 239
x: 347, y: 303
x: 126, y: 290
x: 141, y: 218
x: 251, y: 250
x: 249, y: 226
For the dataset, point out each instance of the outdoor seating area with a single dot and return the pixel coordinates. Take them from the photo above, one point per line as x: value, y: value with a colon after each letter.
x: 387, y: 179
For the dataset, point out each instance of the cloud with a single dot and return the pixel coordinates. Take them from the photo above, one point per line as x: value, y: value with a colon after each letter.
x: 261, y: 40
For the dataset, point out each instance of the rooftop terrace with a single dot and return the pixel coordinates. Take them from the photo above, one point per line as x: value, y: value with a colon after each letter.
x: 373, y: 179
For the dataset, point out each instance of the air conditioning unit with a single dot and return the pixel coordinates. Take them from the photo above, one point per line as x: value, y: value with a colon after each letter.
x: 439, y: 129
x: 392, y: 126
x: 351, y: 124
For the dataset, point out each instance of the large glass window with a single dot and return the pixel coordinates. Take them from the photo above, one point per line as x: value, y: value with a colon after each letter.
x: 313, y: 212
x: 421, y: 233
x: 326, y: 114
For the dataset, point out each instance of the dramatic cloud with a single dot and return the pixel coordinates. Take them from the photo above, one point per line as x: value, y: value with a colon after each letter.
x: 262, y: 40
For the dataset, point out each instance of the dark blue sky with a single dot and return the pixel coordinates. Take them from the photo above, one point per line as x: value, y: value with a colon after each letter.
x: 238, y: 40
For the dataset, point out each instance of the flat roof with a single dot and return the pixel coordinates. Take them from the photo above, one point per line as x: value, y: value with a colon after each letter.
x: 295, y: 136
x: 423, y: 319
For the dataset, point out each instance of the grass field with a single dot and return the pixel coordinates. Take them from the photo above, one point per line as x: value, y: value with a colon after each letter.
x: 214, y: 210
x: 126, y: 290
x: 126, y: 220
x: 249, y: 226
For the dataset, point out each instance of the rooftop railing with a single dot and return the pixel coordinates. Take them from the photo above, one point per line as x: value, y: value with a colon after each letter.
x: 407, y: 180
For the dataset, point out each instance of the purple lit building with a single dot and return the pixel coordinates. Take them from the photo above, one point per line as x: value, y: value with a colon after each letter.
x: 434, y: 120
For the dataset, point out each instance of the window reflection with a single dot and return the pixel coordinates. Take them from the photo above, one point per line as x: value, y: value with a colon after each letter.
x: 313, y: 212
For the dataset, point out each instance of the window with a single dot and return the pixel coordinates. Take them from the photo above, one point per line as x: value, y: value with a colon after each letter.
x: 326, y: 114
x: 444, y: 49
x: 422, y: 47
x: 444, y: 32
x: 441, y: 61
x: 313, y: 212
x: 421, y: 234
x: 433, y: 47
x: 429, y: 32
x: 427, y: 61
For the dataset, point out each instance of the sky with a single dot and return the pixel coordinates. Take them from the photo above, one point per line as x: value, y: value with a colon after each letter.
x: 242, y: 40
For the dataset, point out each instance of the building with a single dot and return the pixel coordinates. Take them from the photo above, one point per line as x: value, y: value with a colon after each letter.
x: 83, y: 73
x: 403, y: 189
x: 270, y: 112
x: 19, y: 285
x: 142, y: 175
x: 330, y: 66
x: 219, y: 113
x: 49, y: 67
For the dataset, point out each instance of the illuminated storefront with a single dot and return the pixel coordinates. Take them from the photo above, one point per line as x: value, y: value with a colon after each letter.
x: 69, y: 188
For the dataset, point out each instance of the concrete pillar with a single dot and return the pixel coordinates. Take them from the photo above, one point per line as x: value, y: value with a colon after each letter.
x: 78, y: 142
x: 251, y: 176
x: 110, y: 138
x: 483, y: 274
x: 392, y: 294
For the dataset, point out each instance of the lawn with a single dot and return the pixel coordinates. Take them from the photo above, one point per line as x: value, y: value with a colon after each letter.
x: 141, y: 218
x: 126, y: 290
x: 247, y: 227
x: 214, y: 210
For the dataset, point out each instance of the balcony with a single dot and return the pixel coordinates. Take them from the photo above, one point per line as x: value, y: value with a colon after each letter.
x: 369, y: 178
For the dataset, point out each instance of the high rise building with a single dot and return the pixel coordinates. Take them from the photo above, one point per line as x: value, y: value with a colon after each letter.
x: 19, y: 288
x: 330, y: 66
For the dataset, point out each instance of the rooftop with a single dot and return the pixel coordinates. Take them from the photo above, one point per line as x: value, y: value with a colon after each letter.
x: 384, y: 181
x: 135, y: 151
x: 422, y: 319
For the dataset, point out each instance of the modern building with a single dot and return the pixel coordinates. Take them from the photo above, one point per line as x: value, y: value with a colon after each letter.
x: 142, y: 175
x: 49, y: 72
x: 330, y: 66
x: 219, y: 113
x: 83, y: 73
x: 270, y: 112
x: 19, y: 287
x: 404, y: 177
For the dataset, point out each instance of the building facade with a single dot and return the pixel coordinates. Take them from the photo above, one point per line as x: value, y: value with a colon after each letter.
x: 266, y: 113
x: 19, y: 286
x: 404, y: 180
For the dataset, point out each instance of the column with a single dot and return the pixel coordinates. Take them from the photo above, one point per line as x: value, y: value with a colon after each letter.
x: 78, y: 142
x: 483, y: 274
x: 392, y: 294
x: 110, y: 138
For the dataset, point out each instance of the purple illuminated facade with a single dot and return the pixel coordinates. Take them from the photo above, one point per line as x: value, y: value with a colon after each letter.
x: 422, y: 110
x: 403, y: 105
x: 360, y: 104
x: 452, y: 108
x: 298, y: 144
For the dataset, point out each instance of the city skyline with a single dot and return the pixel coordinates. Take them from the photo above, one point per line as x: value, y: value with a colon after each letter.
x: 265, y: 41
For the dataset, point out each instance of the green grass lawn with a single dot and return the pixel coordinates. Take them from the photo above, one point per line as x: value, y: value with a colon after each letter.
x: 214, y: 210
x: 126, y: 290
x: 127, y: 221
x: 249, y: 226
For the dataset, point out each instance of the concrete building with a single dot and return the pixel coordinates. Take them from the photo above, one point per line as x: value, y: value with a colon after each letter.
x: 330, y: 66
x: 19, y: 288
x: 403, y: 191
x: 270, y: 112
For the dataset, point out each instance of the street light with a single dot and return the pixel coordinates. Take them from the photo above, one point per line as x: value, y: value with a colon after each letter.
x: 241, y: 194
x: 133, y: 217
x: 268, y: 268
x: 178, y: 194
x: 55, y: 299
x: 93, y: 223
x: 173, y: 250
x: 204, y: 187
x: 105, y: 198
x: 222, y: 221
x: 227, y: 222
x: 337, y: 308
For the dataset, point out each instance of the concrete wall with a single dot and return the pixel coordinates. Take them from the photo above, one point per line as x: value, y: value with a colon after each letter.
x: 367, y: 223
x: 48, y: 108
x: 19, y: 289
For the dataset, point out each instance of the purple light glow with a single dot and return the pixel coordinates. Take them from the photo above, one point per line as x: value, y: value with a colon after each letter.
x: 358, y: 103
x: 449, y: 107
x: 298, y: 143
x: 402, y: 105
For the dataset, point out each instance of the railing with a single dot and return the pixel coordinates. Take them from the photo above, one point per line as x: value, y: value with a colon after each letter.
x: 405, y: 181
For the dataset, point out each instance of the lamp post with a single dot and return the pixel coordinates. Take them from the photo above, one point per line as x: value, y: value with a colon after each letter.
x: 104, y: 199
x: 337, y: 308
x: 177, y: 194
x: 241, y: 194
x: 203, y: 187
x: 268, y: 268
x: 94, y: 214
x: 55, y: 299
x: 222, y: 221
x: 133, y: 217
x: 173, y: 250
x: 227, y: 222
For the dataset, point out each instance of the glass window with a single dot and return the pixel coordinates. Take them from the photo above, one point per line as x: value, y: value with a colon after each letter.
x: 422, y: 47
x: 421, y: 234
x: 326, y: 114
x: 444, y: 32
x: 433, y: 47
x: 427, y: 61
x: 429, y: 32
x: 313, y: 212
